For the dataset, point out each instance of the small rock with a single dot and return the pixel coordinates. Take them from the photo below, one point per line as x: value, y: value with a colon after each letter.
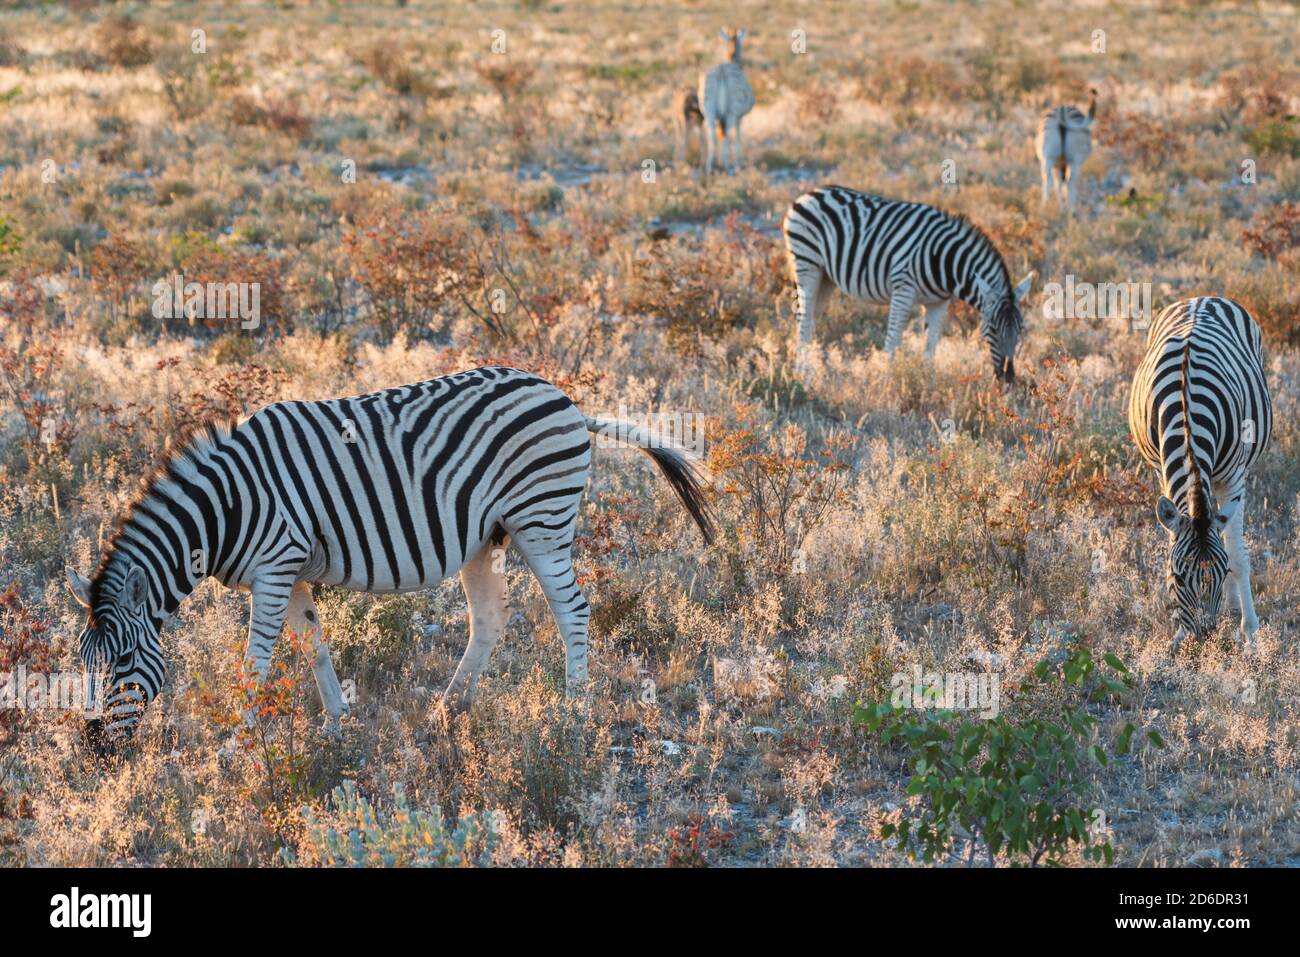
x: 1206, y: 857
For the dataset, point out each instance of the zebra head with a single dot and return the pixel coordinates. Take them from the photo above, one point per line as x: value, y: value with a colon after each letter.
x: 120, y: 651
x: 732, y: 40
x: 1002, y: 322
x: 1198, y: 565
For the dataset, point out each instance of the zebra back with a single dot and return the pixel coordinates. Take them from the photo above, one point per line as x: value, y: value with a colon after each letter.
x: 1203, y: 366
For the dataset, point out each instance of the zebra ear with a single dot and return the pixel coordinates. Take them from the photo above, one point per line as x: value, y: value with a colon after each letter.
x: 1167, y: 513
x: 1022, y: 290
x: 1225, y: 516
x: 79, y: 585
x: 723, y: 34
x: 741, y: 34
x: 135, y: 589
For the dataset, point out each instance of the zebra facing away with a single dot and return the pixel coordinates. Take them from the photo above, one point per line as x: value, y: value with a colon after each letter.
x: 725, y: 98
x: 387, y: 492
x: 1063, y: 144
x: 1203, y: 366
x: 890, y: 251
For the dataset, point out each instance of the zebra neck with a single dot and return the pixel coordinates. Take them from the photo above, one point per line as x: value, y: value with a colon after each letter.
x: 174, y: 532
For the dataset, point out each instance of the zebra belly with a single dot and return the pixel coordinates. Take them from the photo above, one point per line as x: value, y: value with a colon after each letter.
x: 406, y: 577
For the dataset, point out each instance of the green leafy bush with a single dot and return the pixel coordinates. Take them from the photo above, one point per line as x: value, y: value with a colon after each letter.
x: 1009, y: 783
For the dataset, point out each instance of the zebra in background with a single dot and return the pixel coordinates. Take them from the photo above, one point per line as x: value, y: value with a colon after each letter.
x: 687, y: 117
x: 387, y: 492
x: 725, y: 98
x: 890, y: 251
x: 1203, y: 365
x: 1064, y: 143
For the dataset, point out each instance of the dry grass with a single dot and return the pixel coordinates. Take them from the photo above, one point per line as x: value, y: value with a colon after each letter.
x: 417, y: 213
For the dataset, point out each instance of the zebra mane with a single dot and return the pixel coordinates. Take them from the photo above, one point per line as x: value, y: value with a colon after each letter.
x: 198, y: 440
x: 1198, y: 505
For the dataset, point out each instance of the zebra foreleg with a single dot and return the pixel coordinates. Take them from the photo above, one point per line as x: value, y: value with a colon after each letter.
x: 1239, y: 571
x: 483, y: 580
x: 900, y: 308
x: 935, y: 317
x: 270, y: 605
x: 302, y: 618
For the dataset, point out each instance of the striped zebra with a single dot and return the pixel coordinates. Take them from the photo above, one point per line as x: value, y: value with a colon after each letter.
x: 883, y: 250
x: 725, y: 98
x: 1063, y: 144
x: 1203, y: 365
x: 387, y: 492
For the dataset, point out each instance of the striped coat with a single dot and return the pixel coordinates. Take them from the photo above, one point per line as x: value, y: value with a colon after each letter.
x: 725, y: 99
x: 1200, y: 413
x: 890, y: 251
x: 391, y: 491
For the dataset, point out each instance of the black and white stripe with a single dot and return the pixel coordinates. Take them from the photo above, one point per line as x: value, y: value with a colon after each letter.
x: 1203, y: 365
x: 391, y: 491
x: 883, y: 250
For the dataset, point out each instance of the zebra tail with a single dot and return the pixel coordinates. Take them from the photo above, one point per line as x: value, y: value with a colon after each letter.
x: 1197, y: 506
x: 681, y: 470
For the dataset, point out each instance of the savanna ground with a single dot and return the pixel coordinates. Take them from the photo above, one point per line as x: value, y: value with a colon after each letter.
x: 874, y: 516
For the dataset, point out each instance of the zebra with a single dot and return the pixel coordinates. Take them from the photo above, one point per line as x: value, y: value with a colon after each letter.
x: 1063, y: 144
x: 884, y: 250
x: 687, y: 117
x: 1203, y: 364
x: 386, y: 492
x: 725, y: 98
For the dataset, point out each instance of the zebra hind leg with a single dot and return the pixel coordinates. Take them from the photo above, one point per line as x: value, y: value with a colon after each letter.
x: 550, y: 557
x: 303, y: 619
x: 483, y: 580
x: 935, y: 317
x: 810, y: 301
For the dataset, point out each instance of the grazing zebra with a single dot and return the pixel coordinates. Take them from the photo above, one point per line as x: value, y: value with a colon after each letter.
x: 1203, y: 365
x: 1063, y: 144
x: 687, y: 117
x: 725, y: 98
x: 385, y: 492
x: 883, y: 250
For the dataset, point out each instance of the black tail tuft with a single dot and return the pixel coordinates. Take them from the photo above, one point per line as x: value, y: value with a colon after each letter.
x: 686, y: 483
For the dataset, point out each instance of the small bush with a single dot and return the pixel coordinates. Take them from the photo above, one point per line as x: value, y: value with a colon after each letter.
x: 1010, y: 783
x: 354, y: 833
x: 122, y: 43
